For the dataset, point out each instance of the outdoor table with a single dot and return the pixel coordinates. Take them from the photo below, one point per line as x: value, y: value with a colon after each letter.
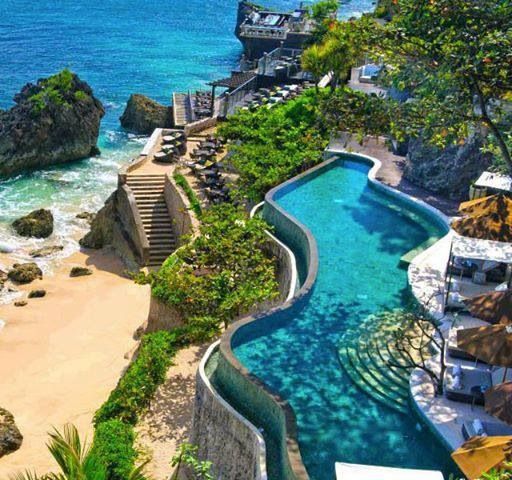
x: 477, y: 393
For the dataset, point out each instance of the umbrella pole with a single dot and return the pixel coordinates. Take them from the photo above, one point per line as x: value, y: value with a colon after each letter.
x: 504, y: 375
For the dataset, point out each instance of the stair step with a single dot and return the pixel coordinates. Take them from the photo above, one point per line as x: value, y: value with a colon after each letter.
x: 162, y: 237
x: 153, y: 208
x: 157, y: 223
x: 366, y: 383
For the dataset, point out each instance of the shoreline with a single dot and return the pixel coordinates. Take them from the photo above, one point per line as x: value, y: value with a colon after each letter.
x: 61, y: 355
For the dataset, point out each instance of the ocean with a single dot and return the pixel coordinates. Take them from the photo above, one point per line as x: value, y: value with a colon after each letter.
x: 119, y: 47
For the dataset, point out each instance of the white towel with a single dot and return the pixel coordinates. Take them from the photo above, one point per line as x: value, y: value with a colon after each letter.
x: 479, y: 427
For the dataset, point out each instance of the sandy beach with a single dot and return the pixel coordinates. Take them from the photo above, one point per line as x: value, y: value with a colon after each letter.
x: 61, y: 355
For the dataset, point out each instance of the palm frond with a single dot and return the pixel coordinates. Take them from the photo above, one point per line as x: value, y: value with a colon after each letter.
x: 26, y: 475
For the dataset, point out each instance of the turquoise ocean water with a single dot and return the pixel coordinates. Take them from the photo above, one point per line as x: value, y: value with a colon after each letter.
x: 120, y: 47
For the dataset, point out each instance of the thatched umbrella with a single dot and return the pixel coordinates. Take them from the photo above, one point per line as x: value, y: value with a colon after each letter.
x: 498, y: 401
x: 493, y: 307
x: 480, y: 454
x: 492, y: 344
x: 488, y: 218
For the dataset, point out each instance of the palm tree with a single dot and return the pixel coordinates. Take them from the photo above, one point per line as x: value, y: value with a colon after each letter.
x: 75, y: 459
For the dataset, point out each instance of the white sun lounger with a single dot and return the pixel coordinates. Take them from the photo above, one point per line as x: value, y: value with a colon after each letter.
x: 354, y: 471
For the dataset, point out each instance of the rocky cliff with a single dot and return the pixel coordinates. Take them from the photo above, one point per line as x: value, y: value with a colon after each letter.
x: 142, y: 115
x: 449, y: 171
x: 53, y: 121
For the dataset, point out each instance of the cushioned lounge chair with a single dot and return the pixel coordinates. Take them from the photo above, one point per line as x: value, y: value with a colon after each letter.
x: 491, y: 429
x: 461, y: 390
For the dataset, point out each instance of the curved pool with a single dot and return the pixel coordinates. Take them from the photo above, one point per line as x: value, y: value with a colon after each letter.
x: 361, y: 233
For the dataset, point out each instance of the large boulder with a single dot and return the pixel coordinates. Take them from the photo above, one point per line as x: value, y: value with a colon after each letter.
x: 10, y: 437
x: 24, y: 273
x: 142, y: 115
x: 448, y: 171
x: 38, y: 223
x: 54, y: 121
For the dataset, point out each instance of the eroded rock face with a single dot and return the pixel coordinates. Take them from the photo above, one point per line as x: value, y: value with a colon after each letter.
x: 449, y: 171
x: 10, y: 437
x: 102, y: 226
x: 24, y: 273
x: 54, y: 121
x: 142, y: 115
x: 38, y: 223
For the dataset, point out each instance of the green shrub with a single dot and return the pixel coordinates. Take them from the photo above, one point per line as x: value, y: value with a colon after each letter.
x: 137, y: 386
x: 80, y: 96
x: 271, y: 145
x: 195, y: 205
x: 54, y: 91
x: 221, y: 274
x: 113, y: 446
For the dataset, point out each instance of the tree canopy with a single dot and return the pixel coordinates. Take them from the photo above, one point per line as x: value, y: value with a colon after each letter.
x: 455, y: 58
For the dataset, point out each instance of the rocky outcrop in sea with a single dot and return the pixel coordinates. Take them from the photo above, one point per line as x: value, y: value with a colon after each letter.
x: 142, y: 115
x: 448, y: 171
x: 38, y: 223
x: 54, y: 121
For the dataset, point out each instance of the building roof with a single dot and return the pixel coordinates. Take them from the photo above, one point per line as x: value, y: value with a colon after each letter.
x: 236, y: 79
x: 477, y: 249
x: 495, y: 181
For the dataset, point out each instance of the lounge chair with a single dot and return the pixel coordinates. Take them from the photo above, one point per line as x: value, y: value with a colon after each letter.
x: 460, y: 382
x: 483, y: 428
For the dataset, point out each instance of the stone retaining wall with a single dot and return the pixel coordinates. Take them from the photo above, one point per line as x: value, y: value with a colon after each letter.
x: 233, y: 445
x: 184, y: 221
x: 129, y: 216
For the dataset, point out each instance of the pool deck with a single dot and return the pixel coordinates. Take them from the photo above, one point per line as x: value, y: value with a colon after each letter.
x: 443, y: 416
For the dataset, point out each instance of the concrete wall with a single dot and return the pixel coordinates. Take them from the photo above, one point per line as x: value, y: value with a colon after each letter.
x: 200, y: 125
x: 228, y: 440
x: 162, y: 316
x: 128, y: 214
x: 184, y: 221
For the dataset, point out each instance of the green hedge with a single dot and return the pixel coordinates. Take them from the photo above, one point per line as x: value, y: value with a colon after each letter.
x: 137, y: 386
x: 114, y: 421
x: 195, y: 205
x: 113, y: 446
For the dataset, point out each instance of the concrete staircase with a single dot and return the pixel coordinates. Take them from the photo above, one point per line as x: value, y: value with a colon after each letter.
x: 181, y: 109
x: 149, y: 195
x: 368, y: 357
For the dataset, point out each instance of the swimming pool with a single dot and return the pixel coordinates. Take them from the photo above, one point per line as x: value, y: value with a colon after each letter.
x: 360, y: 233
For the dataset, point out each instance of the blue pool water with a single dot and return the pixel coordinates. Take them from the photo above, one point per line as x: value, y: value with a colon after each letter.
x: 120, y: 47
x: 361, y: 235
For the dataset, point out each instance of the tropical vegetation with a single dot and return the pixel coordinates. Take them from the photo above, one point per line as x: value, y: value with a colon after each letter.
x: 221, y: 274
x: 76, y: 460
x: 452, y: 58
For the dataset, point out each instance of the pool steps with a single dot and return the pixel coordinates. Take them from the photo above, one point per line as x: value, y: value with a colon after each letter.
x: 365, y: 354
x: 407, y: 259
